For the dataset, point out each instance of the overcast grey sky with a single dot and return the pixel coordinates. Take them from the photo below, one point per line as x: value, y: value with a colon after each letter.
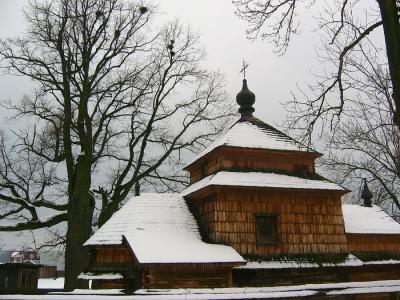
x: 223, y: 35
x: 270, y: 77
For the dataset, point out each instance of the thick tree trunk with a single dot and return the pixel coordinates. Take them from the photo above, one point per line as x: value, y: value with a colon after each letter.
x: 391, y: 28
x: 80, y: 213
x: 106, y: 213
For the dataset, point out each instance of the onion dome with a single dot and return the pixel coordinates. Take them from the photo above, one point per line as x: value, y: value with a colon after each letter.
x: 366, y: 194
x: 246, y: 98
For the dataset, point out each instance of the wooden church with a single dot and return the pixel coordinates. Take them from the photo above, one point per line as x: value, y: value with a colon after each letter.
x: 255, y: 213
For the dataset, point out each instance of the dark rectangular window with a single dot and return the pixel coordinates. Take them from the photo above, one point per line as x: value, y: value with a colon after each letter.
x: 267, y: 228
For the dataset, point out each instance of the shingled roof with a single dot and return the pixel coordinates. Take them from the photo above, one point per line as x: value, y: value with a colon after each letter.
x: 254, y: 133
x: 368, y: 220
x: 261, y: 179
x: 159, y: 228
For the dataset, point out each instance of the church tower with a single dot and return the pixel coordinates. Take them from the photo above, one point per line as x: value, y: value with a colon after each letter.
x: 256, y: 189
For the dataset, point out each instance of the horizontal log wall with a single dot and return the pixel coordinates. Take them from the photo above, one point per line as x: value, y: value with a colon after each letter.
x: 295, y: 276
x: 109, y: 284
x: 189, y: 267
x: 114, y: 259
x: 188, y: 277
x: 373, y: 272
x: 309, y: 222
x: 373, y: 242
x: 113, y: 254
x: 255, y: 159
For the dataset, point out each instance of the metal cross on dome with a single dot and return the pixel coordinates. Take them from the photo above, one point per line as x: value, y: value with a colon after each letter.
x: 244, y: 68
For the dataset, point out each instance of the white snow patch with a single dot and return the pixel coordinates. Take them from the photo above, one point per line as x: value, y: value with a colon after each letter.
x: 169, y: 245
x: 350, y: 261
x: 248, y: 135
x: 361, y: 219
x: 51, y: 283
x: 370, y: 290
x: 226, y: 293
x: 160, y: 228
x: 261, y: 179
x: 256, y: 295
x: 147, y: 210
x: 276, y: 289
x: 15, y: 253
x: 382, y: 262
x: 92, y: 292
x: 104, y: 276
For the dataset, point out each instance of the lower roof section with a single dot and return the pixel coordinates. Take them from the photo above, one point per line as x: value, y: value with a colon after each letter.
x: 261, y: 179
x: 159, y: 228
x: 368, y: 220
x: 166, y: 246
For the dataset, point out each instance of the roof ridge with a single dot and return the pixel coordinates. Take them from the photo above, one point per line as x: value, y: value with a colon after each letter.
x: 251, y: 132
x: 265, y: 126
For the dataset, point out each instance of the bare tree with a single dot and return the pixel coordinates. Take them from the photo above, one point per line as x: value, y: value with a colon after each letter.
x: 25, y: 179
x: 346, y: 29
x: 366, y: 144
x: 109, y: 110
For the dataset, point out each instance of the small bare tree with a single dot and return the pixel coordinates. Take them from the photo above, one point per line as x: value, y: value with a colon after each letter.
x: 366, y: 144
x: 108, y: 110
x: 363, y: 147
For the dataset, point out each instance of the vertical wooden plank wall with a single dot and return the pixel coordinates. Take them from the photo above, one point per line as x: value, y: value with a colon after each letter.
x: 113, y: 254
x: 251, y: 159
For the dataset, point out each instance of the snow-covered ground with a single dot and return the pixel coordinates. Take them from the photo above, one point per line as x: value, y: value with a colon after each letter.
x: 50, y: 283
x: 224, y: 293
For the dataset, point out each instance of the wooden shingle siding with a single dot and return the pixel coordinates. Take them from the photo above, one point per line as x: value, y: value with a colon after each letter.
x: 229, y: 158
x: 156, y: 275
x: 308, y: 222
x: 373, y: 242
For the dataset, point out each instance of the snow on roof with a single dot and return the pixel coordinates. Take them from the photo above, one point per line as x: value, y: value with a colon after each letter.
x: 254, y: 133
x: 350, y: 260
x: 261, y: 179
x: 103, y: 276
x: 273, y: 292
x: 177, y: 247
x: 160, y: 229
x: 361, y: 219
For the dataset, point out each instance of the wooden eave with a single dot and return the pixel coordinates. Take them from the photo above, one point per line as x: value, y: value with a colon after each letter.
x: 125, y: 242
x: 381, y: 234
x: 192, y: 264
x: 104, y: 245
x: 195, y: 264
x: 210, y: 189
x: 11, y: 265
x: 223, y: 148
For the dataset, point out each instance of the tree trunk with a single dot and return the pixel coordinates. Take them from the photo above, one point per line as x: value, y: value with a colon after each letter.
x: 391, y: 28
x: 80, y: 214
x: 107, y: 212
